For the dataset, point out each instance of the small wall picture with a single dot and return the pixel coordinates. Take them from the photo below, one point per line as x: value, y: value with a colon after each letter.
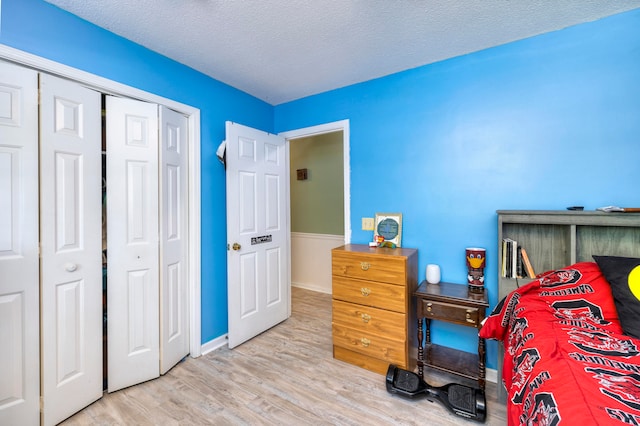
x: 389, y: 226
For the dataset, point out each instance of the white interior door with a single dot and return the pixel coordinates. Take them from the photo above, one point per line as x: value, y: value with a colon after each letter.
x: 70, y: 218
x: 19, y: 262
x: 132, y: 242
x: 257, y: 232
x: 174, y: 286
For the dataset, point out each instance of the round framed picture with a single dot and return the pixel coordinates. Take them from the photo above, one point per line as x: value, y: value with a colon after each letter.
x: 389, y: 226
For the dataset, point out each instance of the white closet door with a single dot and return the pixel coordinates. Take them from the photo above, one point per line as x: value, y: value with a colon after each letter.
x: 71, y: 220
x: 19, y: 267
x: 174, y: 288
x: 132, y: 242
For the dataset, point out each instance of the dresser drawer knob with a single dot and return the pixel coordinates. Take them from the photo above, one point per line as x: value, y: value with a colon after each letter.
x: 365, y: 342
x: 469, y: 319
x: 365, y: 291
x: 429, y: 307
x: 365, y: 317
x: 365, y: 266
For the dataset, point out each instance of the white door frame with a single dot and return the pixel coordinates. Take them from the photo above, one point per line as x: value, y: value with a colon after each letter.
x: 193, y: 116
x: 336, y: 126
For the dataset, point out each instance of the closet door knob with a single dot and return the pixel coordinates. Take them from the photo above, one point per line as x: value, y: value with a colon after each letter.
x: 70, y: 267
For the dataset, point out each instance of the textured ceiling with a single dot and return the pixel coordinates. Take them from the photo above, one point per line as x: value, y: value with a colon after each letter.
x: 281, y: 50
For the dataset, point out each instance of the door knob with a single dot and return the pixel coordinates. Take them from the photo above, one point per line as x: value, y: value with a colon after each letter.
x: 70, y: 267
x: 235, y: 246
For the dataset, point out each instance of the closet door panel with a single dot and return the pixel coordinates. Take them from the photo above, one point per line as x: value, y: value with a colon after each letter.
x: 19, y: 266
x: 132, y: 242
x: 70, y: 218
x: 174, y: 288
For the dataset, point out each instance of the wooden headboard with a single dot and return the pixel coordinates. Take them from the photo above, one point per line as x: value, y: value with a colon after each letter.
x: 555, y: 239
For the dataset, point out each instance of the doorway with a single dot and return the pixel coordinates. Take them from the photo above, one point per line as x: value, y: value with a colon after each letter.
x: 325, y: 150
x: 253, y: 221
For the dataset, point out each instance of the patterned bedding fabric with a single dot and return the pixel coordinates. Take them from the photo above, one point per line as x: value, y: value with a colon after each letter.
x: 566, y: 359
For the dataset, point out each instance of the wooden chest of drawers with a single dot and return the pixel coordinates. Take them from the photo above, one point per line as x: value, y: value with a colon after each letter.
x: 374, y: 321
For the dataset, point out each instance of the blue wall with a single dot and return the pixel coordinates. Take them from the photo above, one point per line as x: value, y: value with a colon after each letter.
x: 37, y: 27
x: 544, y: 123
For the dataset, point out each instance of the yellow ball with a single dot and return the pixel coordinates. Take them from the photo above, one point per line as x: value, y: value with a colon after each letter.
x: 634, y: 281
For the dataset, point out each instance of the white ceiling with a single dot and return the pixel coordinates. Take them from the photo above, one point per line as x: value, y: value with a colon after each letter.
x: 281, y: 50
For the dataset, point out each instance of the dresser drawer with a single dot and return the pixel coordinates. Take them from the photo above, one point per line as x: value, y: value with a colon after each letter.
x: 464, y: 315
x: 370, y: 320
x: 374, y: 318
x: 390, y: 351
x: 387, y: 269
x: 370, y: 293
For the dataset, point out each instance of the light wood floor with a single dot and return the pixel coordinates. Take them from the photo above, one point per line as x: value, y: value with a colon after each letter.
x: 285, y: 376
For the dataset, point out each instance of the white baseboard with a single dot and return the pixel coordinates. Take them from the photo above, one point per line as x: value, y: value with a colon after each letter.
x: 312, y: 287
x: 491, y: 375
x: 214, y: 344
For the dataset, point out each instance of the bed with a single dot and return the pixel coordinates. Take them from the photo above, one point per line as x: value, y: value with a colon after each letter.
x: 572, y: 345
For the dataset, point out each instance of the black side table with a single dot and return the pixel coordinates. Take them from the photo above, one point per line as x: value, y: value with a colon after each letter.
x: 453, y: 303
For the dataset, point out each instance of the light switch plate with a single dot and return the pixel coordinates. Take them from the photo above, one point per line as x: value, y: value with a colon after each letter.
x: 367, y: 224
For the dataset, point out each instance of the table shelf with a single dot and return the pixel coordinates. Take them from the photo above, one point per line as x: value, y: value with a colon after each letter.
x: 451, y: 361
x: 456, y: 304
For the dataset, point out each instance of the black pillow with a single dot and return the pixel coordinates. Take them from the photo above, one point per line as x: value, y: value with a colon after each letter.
x: 623, y: 274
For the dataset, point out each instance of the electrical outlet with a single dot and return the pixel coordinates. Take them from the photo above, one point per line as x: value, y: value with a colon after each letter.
x: 367, y: 224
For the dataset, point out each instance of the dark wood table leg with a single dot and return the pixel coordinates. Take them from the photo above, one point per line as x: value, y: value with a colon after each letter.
x: 420, y: 349
x: 481, y: 366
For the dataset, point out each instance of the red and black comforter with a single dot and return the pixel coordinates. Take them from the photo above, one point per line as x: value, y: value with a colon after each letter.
x: 566, y: 358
